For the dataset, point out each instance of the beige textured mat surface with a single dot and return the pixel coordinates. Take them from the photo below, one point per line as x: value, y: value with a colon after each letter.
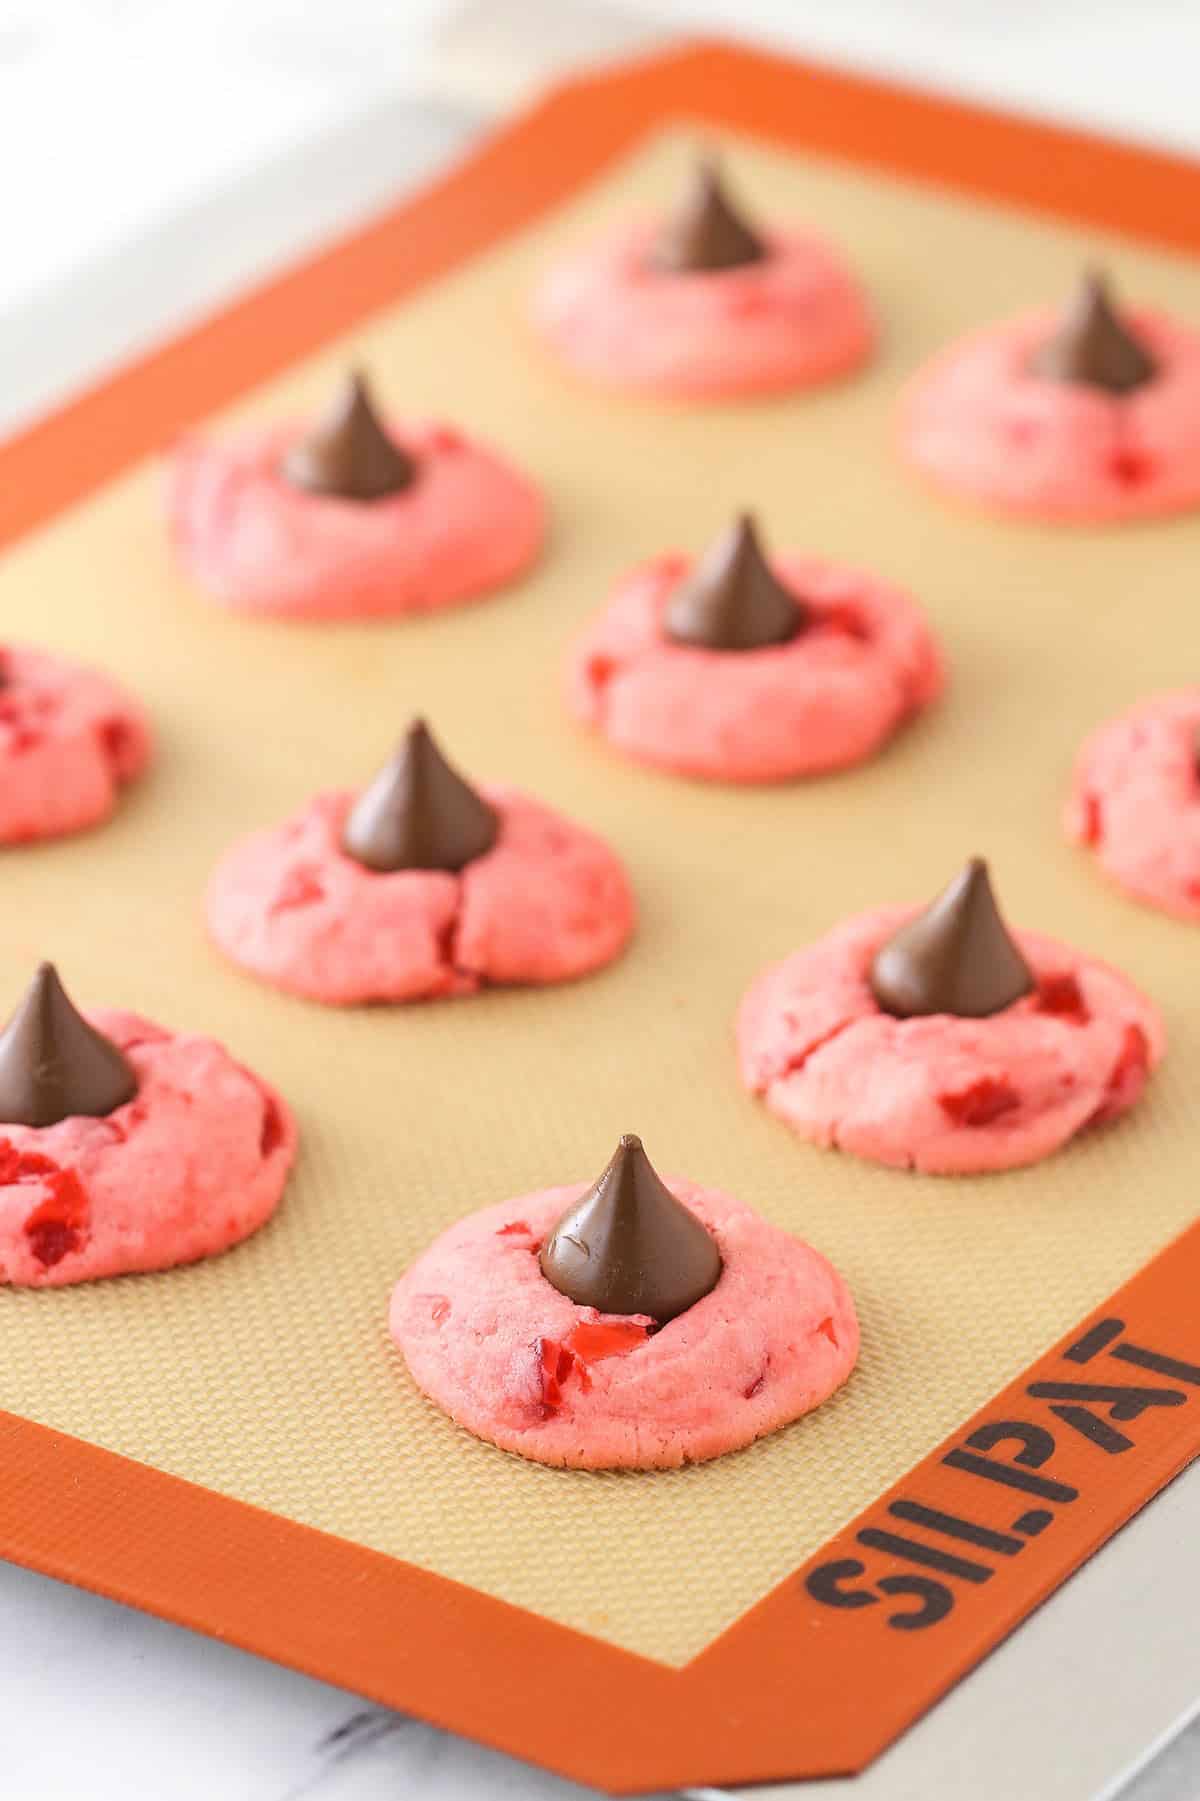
x: 266, y: 1374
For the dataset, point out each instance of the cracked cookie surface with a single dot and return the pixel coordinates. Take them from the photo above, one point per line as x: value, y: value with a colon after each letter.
x: 548, y: 902
x: 194, y: 1163
x: 865, y: 662
x: 518, y: 1363
x: 70, y: 740
x: 981, y: 426
x: 936, y: 1093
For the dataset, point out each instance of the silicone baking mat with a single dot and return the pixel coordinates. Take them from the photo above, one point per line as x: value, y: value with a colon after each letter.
x: 265, y: 1376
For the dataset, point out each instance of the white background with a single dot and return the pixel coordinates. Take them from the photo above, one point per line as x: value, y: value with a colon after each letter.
x: 157, y: 155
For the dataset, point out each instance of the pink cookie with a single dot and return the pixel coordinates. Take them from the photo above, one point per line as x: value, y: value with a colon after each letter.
x: 516, y: 1362
x: 980, y: 425
x: 70, y: 739
x: 830, y: 696
x: 193, y: 1164
x: 945, y: 1095
x: 1135, y: 800
x: 791, y: 320
x: 467, y: 524
x: 548, y: 902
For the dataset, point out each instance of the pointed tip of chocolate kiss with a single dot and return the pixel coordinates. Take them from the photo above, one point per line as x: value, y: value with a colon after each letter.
x: 54, y: 1065
x: 419, y: 813
x: 956, y: 957
x: 705, y: 231
x: 350, y: 455
x: 1093, y: 345
x: 628, y: 1246
x: 731, y: 599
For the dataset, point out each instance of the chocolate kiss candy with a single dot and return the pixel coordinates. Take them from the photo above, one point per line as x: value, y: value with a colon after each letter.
x: 1092, y: 345
x: 957, y: 957
x: 731, y: 600
x: 54, y: 1065
x: 349, y: 455
x: 418, y: 813
x: 705, y: 232
x: 629, y: 1246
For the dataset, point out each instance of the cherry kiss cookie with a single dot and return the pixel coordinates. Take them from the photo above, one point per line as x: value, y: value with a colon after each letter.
x: 630, y: 1325
x: 1094, y: 418
x: 417, y: 888
x: 939, y: 1041
x: 353, y: 521
x: 740, y: 671
x: 126, y: 1147
x: 705, y: 308
x: 70, y: 740
x: 1135, y: 801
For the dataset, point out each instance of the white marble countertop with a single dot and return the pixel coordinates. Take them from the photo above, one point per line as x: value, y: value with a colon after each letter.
x: 99, y: 1703
x: 160, y: 156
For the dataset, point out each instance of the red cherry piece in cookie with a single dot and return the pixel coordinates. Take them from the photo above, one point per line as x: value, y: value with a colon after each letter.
x: 116, y: 738
x: 846, y: 619
x: 555, y: 1363
x: 981, y: 1103
x: 1093, y: 819
x: 21, y: 1166
x: 57, y: 1226
x: 1060, y: 994
x: 1132, y: 468
x: 594, y: 1339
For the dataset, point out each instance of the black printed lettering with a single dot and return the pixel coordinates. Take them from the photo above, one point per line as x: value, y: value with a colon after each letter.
x: 953, y: 1527
x: 1037, y: 1447
x: 1100, y: 1336
x: 1095, y: 1341
x: 1013, y: 1454
x: 824, y: 1584
x: 936, y: 1599
x: 1094, y: 1429
x: 1122, y: 1403
x: 1161, y: 1366
x: 913, y: 1551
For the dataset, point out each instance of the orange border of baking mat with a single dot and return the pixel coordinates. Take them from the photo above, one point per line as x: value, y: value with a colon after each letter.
x: 827, y: 1669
